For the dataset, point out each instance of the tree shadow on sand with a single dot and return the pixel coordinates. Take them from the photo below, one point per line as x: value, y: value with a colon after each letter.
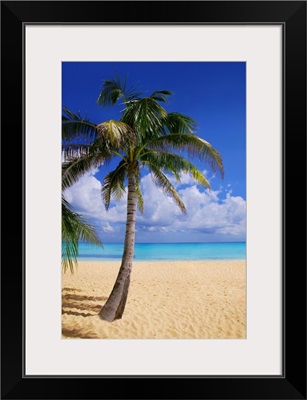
x: 80, y: 302
x: 68, y: 289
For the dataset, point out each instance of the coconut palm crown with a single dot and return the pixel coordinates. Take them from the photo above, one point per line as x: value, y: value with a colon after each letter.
x: 145, y: 136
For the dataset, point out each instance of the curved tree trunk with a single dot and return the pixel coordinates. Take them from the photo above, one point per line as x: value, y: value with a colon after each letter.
x: 115, y: 305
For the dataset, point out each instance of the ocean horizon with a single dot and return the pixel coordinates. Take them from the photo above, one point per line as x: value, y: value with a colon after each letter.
x: 165, y: 251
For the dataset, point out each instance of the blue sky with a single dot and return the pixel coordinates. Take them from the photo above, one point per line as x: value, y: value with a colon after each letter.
x: 213, y: 94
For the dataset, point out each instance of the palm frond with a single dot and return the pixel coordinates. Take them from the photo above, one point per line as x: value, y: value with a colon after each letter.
x: 114, y: 184
x: 74, y: 228
x: 74, y: 169
x: 163, y: 182
x: 73, y: 150
x: 69, y: 256
x: 179, y: 123
x: 115, y: 89
x: 74, y: 126
x: 117, y: 133
x: 145, y: 116
x: 139, y: 195
x: 161, y: 95
x: 175, y: 164
x: 193, y: 145
x: 101, y: 145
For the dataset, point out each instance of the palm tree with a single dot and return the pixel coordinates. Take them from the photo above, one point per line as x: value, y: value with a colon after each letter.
x: 74, y: 228
x: 145, y: 136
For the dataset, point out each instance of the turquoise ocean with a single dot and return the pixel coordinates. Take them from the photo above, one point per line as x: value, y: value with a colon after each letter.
x: 165, y: 251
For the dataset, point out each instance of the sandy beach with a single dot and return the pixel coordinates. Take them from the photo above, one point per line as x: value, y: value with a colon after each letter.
x: 167, y: 299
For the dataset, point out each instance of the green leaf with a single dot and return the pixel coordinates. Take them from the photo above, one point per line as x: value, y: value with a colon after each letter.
x: 162, y: 181
x: 193, y: 145
x: 114, y: 184
x: 74, y: 228
x: 145, y: 116
x: 74, y: 126
x: 175, y: 164
x: 161, y: 95
x: 139, y: 197
x: 74, y: 169
x: 116, y: 133
x: 179, y: 123
x: 115, y: 89
x: 140, y: 200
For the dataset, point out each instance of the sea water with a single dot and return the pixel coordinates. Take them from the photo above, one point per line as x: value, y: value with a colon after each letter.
x: 165, y: 251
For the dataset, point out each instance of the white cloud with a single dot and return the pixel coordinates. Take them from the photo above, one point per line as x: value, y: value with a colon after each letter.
x: 85, y: 197
x: 216, y: 212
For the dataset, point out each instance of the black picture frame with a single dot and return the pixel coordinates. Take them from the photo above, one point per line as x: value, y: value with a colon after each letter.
x: 292, y: 383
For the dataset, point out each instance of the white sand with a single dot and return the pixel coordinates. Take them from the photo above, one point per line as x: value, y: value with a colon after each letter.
x: 169, y: 299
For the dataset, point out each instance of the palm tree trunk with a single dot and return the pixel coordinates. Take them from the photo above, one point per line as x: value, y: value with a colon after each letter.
x: 115, y: 305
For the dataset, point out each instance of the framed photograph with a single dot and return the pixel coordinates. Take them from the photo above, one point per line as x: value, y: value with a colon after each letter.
x: 159, y: 158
